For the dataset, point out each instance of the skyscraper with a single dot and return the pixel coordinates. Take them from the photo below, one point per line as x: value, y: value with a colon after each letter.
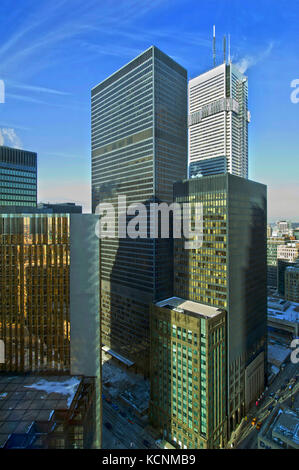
x: 188, y: 373
x: 49, y: 318
x: 139, y: 148
x: 18, y: 177
x: 229, y: 272
x: 218, y: 120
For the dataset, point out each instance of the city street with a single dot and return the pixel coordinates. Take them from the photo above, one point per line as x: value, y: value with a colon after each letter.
x: 123, y: 434
x: 245, y: 437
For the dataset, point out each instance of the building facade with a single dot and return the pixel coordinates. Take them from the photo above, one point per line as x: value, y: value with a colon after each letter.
x: 188, y: 373
x: 272, y: 272
x: 228, y: 271
x: 18, y: 177
x: 288, y: 252
x: 218, y: 118
x: 49, y: 288
x: 139, y: 148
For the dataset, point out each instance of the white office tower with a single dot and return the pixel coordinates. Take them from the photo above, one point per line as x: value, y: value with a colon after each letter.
x: 218, y: 122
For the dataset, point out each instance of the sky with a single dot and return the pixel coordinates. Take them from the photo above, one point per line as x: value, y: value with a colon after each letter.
x: 53, y: 53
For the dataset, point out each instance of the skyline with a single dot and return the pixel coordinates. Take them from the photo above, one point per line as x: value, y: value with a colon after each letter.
x: 47, y: 105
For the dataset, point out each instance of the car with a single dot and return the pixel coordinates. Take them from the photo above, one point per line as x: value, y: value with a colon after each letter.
x: 253, y: 422
x: 291, y: 386
x: 271, y: 394
x: 146, y: 443
x: 276, y: 397
x: 130, y: 421
x: 270, y: 408
x: 108, y: 425
x: 115, y: 407
x: 258, y: 425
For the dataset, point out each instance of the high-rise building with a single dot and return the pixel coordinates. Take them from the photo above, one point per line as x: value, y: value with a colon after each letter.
x: 49, y: 310
x: 18, y: 177
x: 228, y: 271
x: 218, y: 120
x: 188, y: 373
x: 282, y: 227
x: 292, y: 283
x: 139, y: 148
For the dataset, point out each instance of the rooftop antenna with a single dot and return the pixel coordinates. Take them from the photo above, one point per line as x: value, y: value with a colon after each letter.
x: 214, y: 46
x: 229, y: 58
x: 224, y: 49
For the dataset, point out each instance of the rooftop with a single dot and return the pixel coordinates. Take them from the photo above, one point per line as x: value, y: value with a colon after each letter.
x: 28, y: 398
x: 180, y: 305
x: 283, y: 310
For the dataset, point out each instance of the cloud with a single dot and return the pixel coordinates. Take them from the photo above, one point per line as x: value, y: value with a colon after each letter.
x: 9, y: 137
x: 249, y: 61
x: 37, y: 89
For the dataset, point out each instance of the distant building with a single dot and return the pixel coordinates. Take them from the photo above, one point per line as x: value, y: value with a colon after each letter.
x: 218, y: 119
x: 283, y: 227
x: 18, y: 177
x: 288, y: 252
x: 272, y: 245
x: 228, y: 271
x: 188, y: 373
x: 269, y: 231
x: 292, y: 283
x: 283, y: 318
x: 280, y: 430
x: 282, y: 265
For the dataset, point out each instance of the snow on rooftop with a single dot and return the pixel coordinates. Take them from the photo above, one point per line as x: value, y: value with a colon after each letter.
x: 67, y: 387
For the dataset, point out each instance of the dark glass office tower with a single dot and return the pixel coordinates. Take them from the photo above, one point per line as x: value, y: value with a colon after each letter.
x: 139, y: 148
x: 229, y: 271
x: 18, y: 177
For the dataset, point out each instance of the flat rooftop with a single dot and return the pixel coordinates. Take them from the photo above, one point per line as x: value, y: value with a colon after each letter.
x: 28, y: 398
x: 284, y: 310
x: 176, y: 303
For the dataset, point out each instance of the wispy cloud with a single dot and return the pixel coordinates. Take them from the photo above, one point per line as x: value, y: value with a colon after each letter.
x: 9, y: 137
x: 34, y: 88
x: 247, y: 62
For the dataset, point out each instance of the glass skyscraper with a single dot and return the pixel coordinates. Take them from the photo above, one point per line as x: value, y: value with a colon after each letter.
x: 18, y: 177
x: 139, y: 148
x: 229, y: 272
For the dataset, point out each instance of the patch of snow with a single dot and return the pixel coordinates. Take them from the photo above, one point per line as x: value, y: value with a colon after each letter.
x: 68, y: 387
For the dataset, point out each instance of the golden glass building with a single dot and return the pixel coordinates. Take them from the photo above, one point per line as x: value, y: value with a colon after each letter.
x: 35, y: 292
x: 188, y: 373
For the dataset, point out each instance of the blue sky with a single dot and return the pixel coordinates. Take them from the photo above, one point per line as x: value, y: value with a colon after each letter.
x: 53, y: 53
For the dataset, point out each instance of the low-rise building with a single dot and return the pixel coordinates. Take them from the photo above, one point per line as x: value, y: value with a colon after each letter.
x: 280, y: 430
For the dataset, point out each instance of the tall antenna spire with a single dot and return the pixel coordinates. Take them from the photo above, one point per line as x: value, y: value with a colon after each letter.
x: 229, y: 59
x: 224, y: 49
x: 214, y: 46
